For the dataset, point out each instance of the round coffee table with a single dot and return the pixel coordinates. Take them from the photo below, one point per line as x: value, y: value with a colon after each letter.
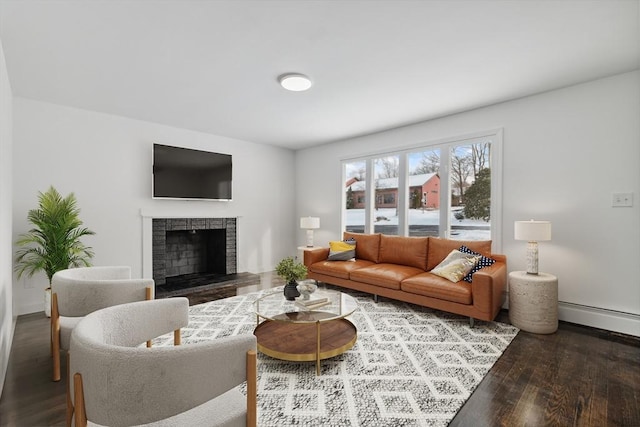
x: 291, y: 331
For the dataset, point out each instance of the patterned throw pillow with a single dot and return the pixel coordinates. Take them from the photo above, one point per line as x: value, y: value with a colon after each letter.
x: 482, y: 262
x: 342, y: 250
x: 456, y: 265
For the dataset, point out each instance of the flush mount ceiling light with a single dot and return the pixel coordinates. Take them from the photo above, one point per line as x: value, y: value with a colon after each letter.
x: 295, y: 82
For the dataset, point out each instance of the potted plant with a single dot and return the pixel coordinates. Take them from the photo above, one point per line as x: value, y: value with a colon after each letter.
x: 291, y: 270
x: 53, y: 244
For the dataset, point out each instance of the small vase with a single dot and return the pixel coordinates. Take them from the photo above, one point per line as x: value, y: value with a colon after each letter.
x: 291, y: 290
x: 306, y: 288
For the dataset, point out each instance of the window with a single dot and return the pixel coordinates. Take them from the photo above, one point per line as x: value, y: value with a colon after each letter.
x: 386, y: 175
x: 446, y: 188
x: 470, y: 191
x: 424, y: 191
x: 355, y: 199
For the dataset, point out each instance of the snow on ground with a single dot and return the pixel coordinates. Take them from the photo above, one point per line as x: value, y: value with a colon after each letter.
x: 387, y: 216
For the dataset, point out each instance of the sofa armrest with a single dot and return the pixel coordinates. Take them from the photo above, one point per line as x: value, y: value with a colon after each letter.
x: 488, y: 286
x: 311, y: 256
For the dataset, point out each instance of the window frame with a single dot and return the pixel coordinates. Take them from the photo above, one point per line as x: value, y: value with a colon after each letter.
x: 445, y: 144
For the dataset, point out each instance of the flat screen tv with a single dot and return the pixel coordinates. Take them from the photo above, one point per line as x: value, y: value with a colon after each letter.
x: 184, y: 173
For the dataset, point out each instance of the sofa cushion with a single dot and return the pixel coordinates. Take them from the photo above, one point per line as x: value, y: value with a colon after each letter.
x: 482, y: 262
x: 342, y: 250
x: 440, y: 248
x: 367, y: 245
x: 411, y: 251
x: 456, y: 265
x: 430, y: 285
x: 339, y: 269
x: 385, y: 275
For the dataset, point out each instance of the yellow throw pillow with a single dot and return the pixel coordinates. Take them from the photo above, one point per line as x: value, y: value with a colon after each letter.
x: 342, y: 250
x: 456, y: 265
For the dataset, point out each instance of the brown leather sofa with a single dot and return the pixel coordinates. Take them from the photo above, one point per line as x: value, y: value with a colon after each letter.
x: 398, y: 267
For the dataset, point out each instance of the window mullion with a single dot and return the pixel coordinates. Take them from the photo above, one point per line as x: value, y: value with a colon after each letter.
x: 403, y: 195
x: 445, y: 191
x: 496, y: 192
x: 370, y: 194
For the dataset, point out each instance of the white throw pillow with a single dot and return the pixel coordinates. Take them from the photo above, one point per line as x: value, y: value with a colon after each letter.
x: 456, y: 265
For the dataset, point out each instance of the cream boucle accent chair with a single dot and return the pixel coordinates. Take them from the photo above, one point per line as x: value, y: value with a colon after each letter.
x: 119, y: 382
x: 76, y: 292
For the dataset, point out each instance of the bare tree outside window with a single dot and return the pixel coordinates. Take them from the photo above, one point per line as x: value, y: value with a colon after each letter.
x: 387, y: 167
x: 461, y: 169
x: 479, y: 157
x: 429, y: 163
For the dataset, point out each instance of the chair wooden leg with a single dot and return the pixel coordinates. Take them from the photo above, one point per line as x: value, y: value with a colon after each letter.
x: 78, y: 393
x: 177, y: 338
x: 56, y: 361
x: 252, y: 389
x: 69, y: 402
x: 55, y: 317
x: 148, y: 296
x: 55, y: 333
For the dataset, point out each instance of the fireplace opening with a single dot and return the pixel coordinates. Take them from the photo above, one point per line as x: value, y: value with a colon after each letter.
x: 195, y: 252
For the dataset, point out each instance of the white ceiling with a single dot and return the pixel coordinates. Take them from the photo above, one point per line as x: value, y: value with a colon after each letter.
x: 212, y: 66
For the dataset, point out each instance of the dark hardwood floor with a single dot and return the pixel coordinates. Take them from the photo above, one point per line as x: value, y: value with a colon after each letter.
x: 576, y: 377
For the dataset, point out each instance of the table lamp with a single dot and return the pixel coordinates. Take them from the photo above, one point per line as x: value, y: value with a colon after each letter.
x: 533, y: 232
x: 309, y: 223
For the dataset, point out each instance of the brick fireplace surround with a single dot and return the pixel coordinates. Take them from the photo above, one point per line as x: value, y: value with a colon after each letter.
x: 192, y: 256
x: 185, y: 246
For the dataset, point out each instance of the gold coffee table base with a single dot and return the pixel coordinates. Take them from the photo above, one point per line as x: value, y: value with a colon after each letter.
x: 304, y: 342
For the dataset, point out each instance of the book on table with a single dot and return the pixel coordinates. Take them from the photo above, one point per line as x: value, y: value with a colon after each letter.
x: 311, y: 304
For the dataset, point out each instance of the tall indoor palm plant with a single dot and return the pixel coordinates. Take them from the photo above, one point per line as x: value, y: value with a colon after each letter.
x: 53, y: 244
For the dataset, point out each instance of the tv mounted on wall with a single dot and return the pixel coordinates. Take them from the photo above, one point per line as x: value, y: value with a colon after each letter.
x: 185, y: 173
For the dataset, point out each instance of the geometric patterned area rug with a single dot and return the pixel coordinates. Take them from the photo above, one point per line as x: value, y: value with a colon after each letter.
x: 410, y: 366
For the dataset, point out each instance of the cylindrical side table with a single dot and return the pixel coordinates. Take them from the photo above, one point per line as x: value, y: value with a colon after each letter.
x: 533, y: 302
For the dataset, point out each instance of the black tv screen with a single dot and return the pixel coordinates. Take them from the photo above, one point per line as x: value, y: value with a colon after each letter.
x: 184, y: 173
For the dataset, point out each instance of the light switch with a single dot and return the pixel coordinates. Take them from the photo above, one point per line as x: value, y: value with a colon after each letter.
x: 622, y: 200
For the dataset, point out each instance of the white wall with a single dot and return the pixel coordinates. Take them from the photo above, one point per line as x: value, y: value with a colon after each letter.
x: 106, y: 161
x: 7, y: 317
x: 565, y: 152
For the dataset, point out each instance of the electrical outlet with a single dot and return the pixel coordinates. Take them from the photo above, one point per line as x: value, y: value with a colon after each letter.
x: 622, y: 200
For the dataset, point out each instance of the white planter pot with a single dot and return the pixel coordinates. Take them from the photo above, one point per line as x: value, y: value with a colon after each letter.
x: 47, y: 302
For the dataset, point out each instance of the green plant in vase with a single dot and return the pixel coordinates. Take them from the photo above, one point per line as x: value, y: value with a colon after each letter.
x: 290, y: 270
x: 53, y: 244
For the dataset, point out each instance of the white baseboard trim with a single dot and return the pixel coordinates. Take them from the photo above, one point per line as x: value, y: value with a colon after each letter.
x: 610, y: 320
x: 601, y: 318
x: 30, y: 308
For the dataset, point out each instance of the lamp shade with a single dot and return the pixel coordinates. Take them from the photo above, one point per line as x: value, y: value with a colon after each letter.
x: 532, y: 231
x: 309, y: 222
